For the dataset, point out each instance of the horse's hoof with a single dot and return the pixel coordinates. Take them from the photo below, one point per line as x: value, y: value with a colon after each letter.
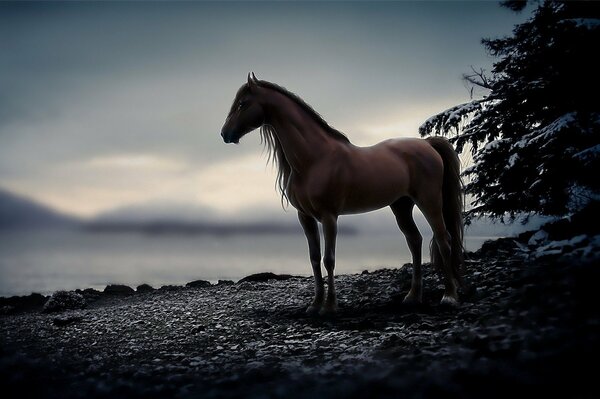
x: 313, y: 310
x: 412, y: 300
x: 328, y: 310
x: 449, y: 301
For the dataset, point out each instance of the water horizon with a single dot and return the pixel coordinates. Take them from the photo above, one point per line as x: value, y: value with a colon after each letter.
x: 48, y: 261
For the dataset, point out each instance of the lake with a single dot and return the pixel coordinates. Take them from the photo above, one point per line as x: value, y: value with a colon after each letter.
x: 47, y: 261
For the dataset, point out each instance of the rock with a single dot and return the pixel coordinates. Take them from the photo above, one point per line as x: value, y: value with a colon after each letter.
x: 197, y: 329
x: 493, y: 248
x: 244, y: 286
x: 262, y: 277
x: 118, y: 289
x: 24, y: 303
x: 144, y: 288
x: 365, y: 272
x: 90, y: 294
x: 225, y: 282
x: 170, y: 288
x: 64, y: 300
x: 198, y: 284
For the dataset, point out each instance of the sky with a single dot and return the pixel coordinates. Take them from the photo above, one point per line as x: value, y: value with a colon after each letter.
x: 105, y: 105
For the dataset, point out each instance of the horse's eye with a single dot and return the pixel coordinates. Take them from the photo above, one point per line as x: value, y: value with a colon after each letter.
x: 241, y: 104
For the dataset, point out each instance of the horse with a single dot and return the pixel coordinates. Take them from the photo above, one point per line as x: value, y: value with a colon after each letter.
x: 323, y: 175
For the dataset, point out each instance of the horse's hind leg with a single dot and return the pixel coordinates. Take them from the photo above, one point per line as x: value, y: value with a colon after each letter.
x: 403, y: 211
x: 311, y: 230
x: 432, y: 210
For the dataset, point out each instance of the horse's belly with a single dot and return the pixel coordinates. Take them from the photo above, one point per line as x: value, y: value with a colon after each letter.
x: 374, y: 193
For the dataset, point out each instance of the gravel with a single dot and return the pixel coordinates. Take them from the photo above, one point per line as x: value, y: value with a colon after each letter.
x: 524, y: 327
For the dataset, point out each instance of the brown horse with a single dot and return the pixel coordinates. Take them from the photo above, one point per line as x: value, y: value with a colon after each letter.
x: 323, y: 176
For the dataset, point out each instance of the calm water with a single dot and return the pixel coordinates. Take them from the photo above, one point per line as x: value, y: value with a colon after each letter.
x: 48, y: 261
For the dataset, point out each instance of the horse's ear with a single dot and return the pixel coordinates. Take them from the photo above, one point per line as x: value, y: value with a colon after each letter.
x: 251, y: 80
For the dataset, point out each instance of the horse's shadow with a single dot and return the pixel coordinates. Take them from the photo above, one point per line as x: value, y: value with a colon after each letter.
x: 369, y: 316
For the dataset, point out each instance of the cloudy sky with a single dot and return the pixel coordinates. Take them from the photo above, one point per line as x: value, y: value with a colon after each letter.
x: 104, y: 105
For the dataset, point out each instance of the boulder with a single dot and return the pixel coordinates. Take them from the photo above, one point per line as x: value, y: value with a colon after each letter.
x: 118, y: 289
x: 225, y: 282
x: 198, y: 284
x: 90, y: 294
x: 262, y: 277
x: 33, y: 301
x: 144, y: 288
x: 64, y: 300
x: 170, y: 288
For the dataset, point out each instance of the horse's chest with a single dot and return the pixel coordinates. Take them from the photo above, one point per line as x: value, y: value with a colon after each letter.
x: 299, y: 198
x: 309, y: 194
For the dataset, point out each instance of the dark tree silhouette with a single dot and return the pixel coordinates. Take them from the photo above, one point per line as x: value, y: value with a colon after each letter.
x: 535, y: 135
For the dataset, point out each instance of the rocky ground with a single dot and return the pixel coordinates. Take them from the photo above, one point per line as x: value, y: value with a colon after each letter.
x: 528, y: 325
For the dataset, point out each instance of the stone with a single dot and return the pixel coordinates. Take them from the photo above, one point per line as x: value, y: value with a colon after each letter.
x: 90, y: 294
x: 118, y: 289
x: 262, y: 277
x: 198, y: 284
x: 64, y: 300
x: 33, y: 301
x: 170, y: 288
x: 144, y: 288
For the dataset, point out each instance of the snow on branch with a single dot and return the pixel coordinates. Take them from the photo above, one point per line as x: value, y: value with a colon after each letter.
x: 587, y: 23
x: 548, y: 132
x: 588, y: 155
x: 450, y: 119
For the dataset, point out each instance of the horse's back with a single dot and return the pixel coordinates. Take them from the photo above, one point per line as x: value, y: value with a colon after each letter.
x: 368, y: 178
x: 412, y: 160
x: 411, y: 153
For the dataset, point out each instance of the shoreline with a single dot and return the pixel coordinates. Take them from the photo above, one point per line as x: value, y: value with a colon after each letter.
x: 86, y: 263
x: 529, y: 326
x: 36, y: 300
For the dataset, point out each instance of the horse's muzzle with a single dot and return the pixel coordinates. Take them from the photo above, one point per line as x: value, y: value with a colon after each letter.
x: 228, y: 139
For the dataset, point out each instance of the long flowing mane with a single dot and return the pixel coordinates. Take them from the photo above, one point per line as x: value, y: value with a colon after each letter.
x: 269, y: 138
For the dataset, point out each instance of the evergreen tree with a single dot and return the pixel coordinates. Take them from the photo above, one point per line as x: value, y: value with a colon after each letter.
x: 535, y: 135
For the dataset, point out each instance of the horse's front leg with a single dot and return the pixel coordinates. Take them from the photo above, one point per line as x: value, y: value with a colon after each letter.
x: 311, y: 230
x: 330, y: 234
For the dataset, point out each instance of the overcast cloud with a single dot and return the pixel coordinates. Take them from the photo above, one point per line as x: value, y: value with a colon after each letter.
x: 109, y: 104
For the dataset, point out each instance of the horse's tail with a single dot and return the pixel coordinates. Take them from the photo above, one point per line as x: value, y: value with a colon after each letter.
x: 453, y: 206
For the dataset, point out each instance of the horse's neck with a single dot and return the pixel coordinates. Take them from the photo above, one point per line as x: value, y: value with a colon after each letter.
x: 302, y: 139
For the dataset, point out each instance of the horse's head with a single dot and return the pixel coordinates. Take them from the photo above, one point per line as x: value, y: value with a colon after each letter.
x: 246, y: 113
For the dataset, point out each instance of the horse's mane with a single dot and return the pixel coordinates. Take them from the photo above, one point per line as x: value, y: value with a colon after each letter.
x: 269, y: 138
x: 309, y: 110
